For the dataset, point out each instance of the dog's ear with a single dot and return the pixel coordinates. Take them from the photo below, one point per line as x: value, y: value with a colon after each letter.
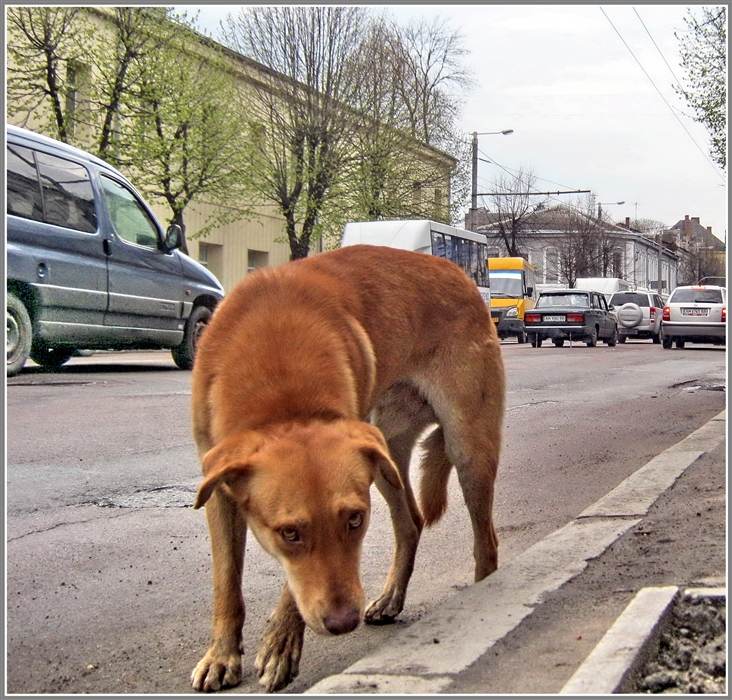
x: 373, y: 445
x: 228, y: 463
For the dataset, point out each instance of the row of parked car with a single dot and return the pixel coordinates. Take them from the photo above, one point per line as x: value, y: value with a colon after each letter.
x: 694, y: 314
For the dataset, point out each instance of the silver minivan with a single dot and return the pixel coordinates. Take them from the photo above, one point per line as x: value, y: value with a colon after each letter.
x: 88, y: 264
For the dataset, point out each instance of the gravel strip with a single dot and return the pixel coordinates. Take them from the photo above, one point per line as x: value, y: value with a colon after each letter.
x: 692, y: 651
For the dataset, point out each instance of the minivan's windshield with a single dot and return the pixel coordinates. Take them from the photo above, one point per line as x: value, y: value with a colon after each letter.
x: 546, y: 300
x: 691, y: 295
x: 506, y: 284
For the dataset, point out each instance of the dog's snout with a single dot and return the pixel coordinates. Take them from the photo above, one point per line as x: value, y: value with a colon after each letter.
x: 342, y: 621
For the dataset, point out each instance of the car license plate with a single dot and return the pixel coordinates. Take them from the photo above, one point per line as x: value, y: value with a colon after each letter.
x: 555, y: 319
x: 695, y: 312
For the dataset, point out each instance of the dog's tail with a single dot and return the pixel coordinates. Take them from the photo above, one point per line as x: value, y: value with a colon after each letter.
x: 435, y: 476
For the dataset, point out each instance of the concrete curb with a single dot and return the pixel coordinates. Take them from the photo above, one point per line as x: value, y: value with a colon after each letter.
x: 623, y: 651
x: 426, y: 656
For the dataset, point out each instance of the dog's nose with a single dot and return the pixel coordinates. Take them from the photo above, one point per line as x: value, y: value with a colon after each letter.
x: 342, y: 621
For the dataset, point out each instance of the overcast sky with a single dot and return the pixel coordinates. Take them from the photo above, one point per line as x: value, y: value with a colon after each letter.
x: 585, y: 115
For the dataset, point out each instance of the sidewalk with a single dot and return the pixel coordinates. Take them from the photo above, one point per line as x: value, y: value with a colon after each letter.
x: 527, y: 627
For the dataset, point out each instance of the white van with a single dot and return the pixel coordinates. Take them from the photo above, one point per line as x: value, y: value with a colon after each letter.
x: 466, y: 249
x: 605, y: 285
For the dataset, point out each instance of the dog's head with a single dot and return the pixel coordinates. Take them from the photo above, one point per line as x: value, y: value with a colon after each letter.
x: 304, y: 489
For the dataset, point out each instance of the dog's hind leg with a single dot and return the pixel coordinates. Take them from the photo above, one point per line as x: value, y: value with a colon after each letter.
x: 221, y: 666
x: 471, y: 414
x: 278, y: 660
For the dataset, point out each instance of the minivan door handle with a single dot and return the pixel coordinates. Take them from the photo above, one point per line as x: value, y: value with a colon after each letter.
x: 107, y: 246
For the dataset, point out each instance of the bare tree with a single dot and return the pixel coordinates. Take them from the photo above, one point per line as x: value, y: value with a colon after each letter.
x: 513, y: 207
x: 586, y: 246
x: 298, y: 111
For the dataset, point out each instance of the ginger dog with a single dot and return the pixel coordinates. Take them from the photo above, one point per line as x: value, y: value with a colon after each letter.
x: 294, y: 363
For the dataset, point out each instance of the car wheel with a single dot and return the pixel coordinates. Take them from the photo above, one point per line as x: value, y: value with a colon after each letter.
x: 48, y: 357
x: 666, y: 342
x: 558, y: 342
x: 592, y: 340
x: 185, y: 353
x: 19, y: 334
x: 680, y: 343
x: 613, y: 339
x: 521, y: 337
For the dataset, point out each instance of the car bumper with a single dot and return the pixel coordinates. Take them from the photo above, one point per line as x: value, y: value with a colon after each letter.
x: 509, y: 326
x: 557, y: 332
x: 637, y: 332
x: 676, y: 329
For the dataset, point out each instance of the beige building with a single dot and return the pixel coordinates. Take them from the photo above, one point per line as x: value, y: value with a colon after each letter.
x: 233, y: 250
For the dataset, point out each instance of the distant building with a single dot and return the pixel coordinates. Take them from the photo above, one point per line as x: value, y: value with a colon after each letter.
x: 701, y: 253
x: 564, y: 244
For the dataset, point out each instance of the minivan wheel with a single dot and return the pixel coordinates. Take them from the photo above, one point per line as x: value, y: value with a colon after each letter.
x: 48, y: 357
x: 19, y: 335
x: 185, y: 353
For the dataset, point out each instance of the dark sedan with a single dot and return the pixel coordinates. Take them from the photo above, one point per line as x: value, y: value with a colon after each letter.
x: 571, y: 314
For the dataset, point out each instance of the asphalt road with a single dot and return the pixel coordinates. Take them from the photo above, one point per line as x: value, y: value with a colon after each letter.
x: 108, y: 567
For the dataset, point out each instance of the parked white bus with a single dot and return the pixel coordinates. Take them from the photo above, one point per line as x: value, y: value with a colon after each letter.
x: 466, y: 249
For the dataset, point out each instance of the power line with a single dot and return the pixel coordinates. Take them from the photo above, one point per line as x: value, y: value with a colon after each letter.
x: 683, y: 126
x: 660, y: 53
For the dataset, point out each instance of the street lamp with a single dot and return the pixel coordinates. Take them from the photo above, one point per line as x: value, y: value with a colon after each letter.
x: 474, y: 188
x: 599, y: 207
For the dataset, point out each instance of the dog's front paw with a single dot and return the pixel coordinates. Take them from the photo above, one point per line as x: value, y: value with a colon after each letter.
x: 278, y: 660
x: 215, y: 671
x: 384, y: 609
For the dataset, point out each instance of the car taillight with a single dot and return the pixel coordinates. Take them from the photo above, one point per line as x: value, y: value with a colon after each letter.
x: 532, y: 318
x: 666, y: 313
x: 576, y: 318
x: 653, y: 314
x: 724, y: 314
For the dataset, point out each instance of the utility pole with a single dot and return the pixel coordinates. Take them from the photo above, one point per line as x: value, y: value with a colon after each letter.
x: 474, y: 184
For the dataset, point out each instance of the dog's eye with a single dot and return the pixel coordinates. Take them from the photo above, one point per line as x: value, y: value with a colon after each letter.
x: 290, y: 534
x: 355, y: 521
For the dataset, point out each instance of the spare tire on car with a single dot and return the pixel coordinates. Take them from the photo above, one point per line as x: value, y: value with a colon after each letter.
x: 629, y: 315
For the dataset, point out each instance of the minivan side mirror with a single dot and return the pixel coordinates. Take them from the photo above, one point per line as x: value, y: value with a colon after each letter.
x: 529, y: 291
x: 173, y: 237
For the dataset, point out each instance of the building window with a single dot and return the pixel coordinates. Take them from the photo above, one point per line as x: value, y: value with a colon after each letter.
x: 211, y: 256
x: 551, y: 267
x: 78, y: 77
x: 257, y: 259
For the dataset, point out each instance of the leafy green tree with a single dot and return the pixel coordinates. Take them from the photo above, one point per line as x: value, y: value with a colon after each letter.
x: 139, y: 88
x: 185, y: 140
x: 44, y: 45
x: 704, y: 57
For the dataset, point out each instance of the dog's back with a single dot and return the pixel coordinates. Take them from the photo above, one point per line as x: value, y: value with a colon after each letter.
x: 279, y: 330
